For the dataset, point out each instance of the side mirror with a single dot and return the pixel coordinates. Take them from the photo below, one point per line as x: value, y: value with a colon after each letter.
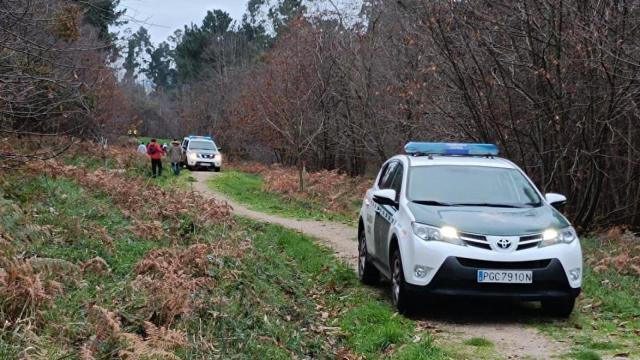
x: 556, y: 200
x: 385, y: 197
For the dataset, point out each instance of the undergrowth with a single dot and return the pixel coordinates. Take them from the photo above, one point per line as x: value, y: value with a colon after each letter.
x: 102, y: 263
x: 336, y: 192
x: 606, y: 320
x: 311, y: 284
x: 250, y: 189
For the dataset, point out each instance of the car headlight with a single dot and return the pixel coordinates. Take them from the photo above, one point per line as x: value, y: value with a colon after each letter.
x: 430, y: 233
x: 217, y: 157
x: 193, y: 156
x: 563, y: 236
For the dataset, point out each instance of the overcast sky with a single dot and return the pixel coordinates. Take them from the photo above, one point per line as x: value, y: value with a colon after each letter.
x: 163, y: 17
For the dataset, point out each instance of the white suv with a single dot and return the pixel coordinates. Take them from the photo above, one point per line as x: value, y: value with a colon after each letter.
x: 201, y: 152
x: 454, y: 219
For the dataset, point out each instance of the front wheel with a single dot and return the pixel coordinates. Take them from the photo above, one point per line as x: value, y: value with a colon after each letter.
x: 217, y: 169
x: 559, y: 307
x: 367, y: 272
x: 400, y: 294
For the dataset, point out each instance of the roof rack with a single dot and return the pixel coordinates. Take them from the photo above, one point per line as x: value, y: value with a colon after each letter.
x: 451, y: 149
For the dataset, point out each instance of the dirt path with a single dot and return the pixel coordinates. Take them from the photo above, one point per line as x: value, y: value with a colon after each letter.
x: 500, y: 323
x: 339, y: 237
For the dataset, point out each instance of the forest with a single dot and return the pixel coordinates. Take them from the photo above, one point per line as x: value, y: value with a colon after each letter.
x: 306, y: 99
x: 555, y: 84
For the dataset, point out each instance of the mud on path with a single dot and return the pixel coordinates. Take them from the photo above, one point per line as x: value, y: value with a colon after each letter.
x: 502, y: 323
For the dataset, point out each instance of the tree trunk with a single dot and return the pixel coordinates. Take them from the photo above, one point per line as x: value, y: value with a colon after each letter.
x: 301, y: 170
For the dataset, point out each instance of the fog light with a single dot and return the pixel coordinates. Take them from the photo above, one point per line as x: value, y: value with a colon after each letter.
x: 574, y: 274
x: 421, y: 271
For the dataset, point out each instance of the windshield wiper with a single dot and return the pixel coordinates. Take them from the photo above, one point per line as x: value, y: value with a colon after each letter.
x: 430, y: 202
x: 534, y: 204
x: 489, y: 205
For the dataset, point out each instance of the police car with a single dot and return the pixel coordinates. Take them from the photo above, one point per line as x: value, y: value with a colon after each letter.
x: 201, y: 152
x: 456, y: 220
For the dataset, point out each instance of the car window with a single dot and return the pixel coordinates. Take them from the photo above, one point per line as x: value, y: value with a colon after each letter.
x: 185, y: 143
x: 202, y: 145
x: 465, y: 185
x: 387, y: 175
x: 396, y: 183
x: 383, y: 173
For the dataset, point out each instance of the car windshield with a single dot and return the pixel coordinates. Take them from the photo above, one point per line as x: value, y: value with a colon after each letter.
x: 443, y: 185
x: 202, y: 145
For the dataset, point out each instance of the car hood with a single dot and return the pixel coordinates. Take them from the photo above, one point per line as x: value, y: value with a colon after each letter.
x: 490, y: 221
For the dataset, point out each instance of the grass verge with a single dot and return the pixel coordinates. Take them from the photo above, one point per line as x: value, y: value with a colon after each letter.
x: 286, y: 297
x: 311, y: 281
x: 248, y: 189
x: 478, y: 342
x: 70, y: 216
x: 606, y: 321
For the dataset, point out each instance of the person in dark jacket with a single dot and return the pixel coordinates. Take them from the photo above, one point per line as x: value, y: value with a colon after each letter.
x: 154, y: 151
x: 175, y: 155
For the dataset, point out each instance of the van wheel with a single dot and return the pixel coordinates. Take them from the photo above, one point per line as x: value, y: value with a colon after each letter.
x: 559, y: 307
x: 367, y: 272
x: 400, y: 294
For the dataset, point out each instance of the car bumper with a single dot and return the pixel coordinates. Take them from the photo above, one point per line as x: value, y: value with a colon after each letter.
x: 458, y: 277
x: 434, y: 255
x: 204, y: 163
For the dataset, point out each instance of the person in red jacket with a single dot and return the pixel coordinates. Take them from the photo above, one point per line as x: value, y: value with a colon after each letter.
x: 154, y: 151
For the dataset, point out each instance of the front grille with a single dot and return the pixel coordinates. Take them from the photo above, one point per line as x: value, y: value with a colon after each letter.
x: 480, y: 241
x: 529, y: 241
x: 504, y: 265
x: 475, y: 240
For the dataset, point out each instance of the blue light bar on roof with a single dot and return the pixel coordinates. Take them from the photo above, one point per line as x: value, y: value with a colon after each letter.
x: 425, y: 148
x: 200, y: 137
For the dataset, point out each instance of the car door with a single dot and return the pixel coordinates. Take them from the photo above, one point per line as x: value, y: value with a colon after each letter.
x: 396, y: 185
x: 384, y: 213
x: 368, y: 213
x: 185, y: 145
x: 370, y: 209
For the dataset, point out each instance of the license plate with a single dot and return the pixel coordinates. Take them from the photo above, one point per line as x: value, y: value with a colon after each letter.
x: 505, y: 276
x: 205, y: 164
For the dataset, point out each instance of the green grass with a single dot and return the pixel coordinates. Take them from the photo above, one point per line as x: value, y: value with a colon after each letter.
x: 72, y: 212
x: 310, y: 280
x: 247, y: 189
x: 147, y: 140
x: 168, y: 179
x: 88, y: 162
x: 478, y: 342
x: 423, y: 349
x: 605, y: 321
x: 585, y: 355
x: 287, y: 297
x: 603, y: 345
x: 374, y: 328
x: 140, y: 168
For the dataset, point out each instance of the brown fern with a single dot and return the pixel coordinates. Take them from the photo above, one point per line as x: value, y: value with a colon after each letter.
x: 22, y: 290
